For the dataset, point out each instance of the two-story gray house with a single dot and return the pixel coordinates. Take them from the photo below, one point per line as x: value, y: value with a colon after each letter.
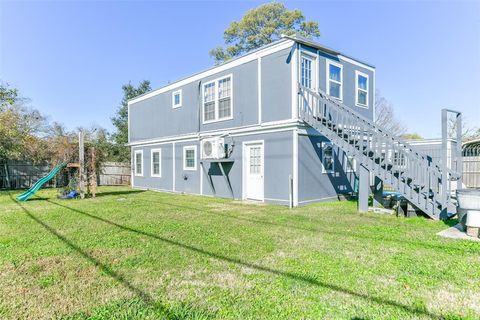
x: 264, y: 127
x: 252, y: 102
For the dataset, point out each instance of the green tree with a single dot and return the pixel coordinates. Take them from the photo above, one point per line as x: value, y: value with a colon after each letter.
x: 261, y: 26
x: 411, y: 136
x: 8, y: 95
x: 120, y: 120
x: 21, y: 127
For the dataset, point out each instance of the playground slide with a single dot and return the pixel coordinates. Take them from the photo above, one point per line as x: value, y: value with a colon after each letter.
x: 30, y: 192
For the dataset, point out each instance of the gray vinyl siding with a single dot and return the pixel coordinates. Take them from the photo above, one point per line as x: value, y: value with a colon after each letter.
x: 348, y: 86
x: 277, y: 86
x: 187, y: 181
x: 277, y: 168
x: 154, y: 117
x: 146, y: 181
x: 313, y: 184
x: 278, y: 165
x: 245, y: 97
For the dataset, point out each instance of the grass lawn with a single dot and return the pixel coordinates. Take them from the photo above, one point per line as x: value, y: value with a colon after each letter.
x: 132, y: 254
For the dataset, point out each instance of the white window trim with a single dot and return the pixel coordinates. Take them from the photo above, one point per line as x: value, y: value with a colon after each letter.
x: 194, y: 148
x: 358, y: 73
x: 353, y: 164
x: 174, y: 93
x: 323, y: 158
x: 135, y: 163
x: 330, y: 62
x: 313, y: 58
x: 217, y: 99
x: 159, y: 175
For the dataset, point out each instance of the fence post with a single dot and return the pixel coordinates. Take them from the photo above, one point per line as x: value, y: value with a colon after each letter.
x: 363, y: 188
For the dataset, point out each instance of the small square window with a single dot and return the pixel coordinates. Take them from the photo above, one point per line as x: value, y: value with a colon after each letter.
x: 177, y: 99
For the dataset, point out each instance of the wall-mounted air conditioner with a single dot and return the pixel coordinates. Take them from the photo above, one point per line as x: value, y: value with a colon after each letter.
x: 213, y: 148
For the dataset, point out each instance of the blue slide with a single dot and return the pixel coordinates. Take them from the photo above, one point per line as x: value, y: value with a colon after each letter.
x: 30, y: 192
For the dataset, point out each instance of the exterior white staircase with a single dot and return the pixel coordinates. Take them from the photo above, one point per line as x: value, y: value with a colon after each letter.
x: 421, y: 180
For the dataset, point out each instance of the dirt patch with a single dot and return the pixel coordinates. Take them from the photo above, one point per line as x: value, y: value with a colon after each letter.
x: 455, y: 300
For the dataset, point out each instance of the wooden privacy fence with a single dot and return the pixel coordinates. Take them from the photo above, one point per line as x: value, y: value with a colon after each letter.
x: 22, y: 174
x: 471, y: 172
x: 115, y: 174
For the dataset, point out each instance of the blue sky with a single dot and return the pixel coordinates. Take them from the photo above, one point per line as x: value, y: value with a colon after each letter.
x: 71, y: 58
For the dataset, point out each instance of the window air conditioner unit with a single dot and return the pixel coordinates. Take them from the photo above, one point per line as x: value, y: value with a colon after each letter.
x: 213, y: 148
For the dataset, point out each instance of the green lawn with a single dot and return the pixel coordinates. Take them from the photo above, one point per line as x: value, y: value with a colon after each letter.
x: 131, y: 254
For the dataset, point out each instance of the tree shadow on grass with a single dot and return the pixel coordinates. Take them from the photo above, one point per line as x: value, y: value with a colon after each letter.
x: 37, y: 199
x: 417, y: 244
x: 169, y: 313
x: 303, y: 278
x: 118, y: 193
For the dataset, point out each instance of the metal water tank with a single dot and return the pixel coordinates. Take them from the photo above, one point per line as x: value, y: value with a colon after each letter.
x: 468, y: 204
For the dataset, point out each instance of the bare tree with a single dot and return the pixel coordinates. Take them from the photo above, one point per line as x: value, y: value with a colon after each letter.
x: 468, y: 134
x: 385, y: 116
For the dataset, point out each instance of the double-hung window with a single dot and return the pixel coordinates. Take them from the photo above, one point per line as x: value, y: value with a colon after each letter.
x: 335, y: 80
x: 327, y: 157
x: 156, y: 163
x: 306, y: 72
x: 138, y: 161
x: 190, y: 158
x: 177, y: 99
x: 217, y: 100
x: 361, y: 89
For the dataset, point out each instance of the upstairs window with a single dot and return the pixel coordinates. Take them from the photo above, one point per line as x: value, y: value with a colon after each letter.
x: 177, y: 99
x: 335, y: 80
x: 361, y: 85
x: 209, y: 102
x: 217, y: 100
x: 306, y: 72
x: 138, y: 163
x: 327, y: 159
x: 224, y: 98
x: 156, y: 163
x: 190, y: 158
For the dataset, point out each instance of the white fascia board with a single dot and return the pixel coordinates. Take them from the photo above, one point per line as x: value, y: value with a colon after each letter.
x: 355, y: 62
x: 247, y: 58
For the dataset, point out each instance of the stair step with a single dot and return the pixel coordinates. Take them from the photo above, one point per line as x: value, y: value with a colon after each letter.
x: 374, y: 149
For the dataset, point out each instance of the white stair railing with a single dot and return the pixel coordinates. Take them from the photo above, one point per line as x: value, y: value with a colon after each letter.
x: 414, y: 174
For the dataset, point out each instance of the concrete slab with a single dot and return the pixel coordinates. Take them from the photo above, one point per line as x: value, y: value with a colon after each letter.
x: 456, y: 232
x: 381, y: 210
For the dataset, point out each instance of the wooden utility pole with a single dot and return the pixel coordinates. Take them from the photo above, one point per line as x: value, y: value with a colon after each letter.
x: 93, y: 172
x: 81, y: 160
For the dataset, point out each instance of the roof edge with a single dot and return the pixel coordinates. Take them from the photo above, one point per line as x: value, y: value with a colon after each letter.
x: 323, y: 48
x: 274, y: 43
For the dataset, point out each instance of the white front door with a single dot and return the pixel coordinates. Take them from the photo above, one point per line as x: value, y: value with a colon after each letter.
x: 253, y: 170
